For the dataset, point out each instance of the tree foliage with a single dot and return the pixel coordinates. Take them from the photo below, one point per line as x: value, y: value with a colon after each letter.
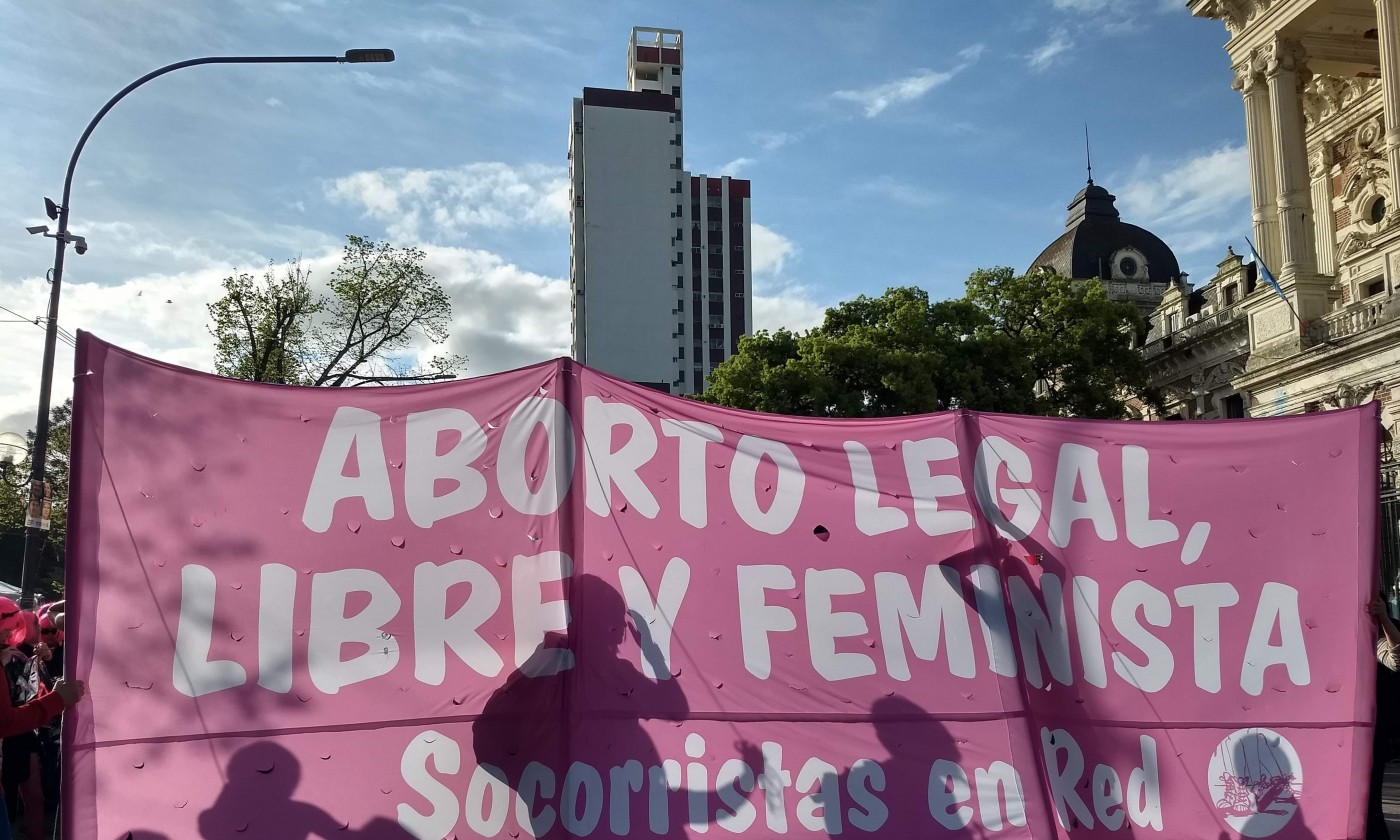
x: 13, y: 500
x: 1035, y: 344
x: 377, y: 304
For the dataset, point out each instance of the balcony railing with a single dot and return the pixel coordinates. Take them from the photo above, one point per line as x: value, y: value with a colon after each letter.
x: 1357, y: 318
x: 1220, y: 320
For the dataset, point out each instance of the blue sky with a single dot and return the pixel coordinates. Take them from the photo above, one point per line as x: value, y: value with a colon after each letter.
x: 888, y: 143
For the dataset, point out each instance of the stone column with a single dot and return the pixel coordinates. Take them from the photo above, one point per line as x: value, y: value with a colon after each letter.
x: 1324, y: 222
x: 1388, y: 33
x: 1258, y: 132
x: 1286, y: 72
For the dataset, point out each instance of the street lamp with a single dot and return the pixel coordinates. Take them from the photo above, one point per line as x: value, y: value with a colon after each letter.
x: 33, y: 532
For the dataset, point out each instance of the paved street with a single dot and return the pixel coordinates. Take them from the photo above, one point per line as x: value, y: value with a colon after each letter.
x: 1392, y: 798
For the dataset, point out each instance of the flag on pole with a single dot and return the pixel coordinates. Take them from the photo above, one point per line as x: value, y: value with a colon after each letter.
x: 1267, y: 275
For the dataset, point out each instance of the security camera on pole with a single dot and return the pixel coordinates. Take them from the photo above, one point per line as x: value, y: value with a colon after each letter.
x: 58, y: 211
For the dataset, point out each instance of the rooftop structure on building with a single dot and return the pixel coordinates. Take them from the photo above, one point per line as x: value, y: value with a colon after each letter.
x: 1133, y: 264
x: 660, y: 268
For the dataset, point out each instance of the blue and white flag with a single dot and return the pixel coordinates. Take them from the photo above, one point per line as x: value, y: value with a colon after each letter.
x: 1267, y: 275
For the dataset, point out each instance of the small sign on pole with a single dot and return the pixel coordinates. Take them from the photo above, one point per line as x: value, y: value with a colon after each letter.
x: 40, y: 512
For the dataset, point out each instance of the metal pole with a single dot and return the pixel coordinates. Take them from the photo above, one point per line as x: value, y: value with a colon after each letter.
x: 33, y: 534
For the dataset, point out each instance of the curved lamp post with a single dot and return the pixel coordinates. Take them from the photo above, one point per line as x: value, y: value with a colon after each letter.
x: 33, y: 532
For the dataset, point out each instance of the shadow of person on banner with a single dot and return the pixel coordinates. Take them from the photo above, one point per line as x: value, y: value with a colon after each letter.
x: 521, y: 734
x: 257, y: 801
x: 921, y: 754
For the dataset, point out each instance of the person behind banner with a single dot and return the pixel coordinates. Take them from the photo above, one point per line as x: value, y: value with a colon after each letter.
x: 44, y: 706
x: 50, y: 734
x: 1386, y: 730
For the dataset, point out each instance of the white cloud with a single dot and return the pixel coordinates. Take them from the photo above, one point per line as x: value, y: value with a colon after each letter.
x: 503, y: 316
x: 771, y: 250
x: 1200, y: 189
x: 417, y: 203
x: 973, y: 52
x: 156, y: 315
x: 900, y: 192
x: 1044, y: 55
x: 272, y: 102
x: 735, y: 166
x: 877, y: 98
x: 482, y: 33
x: 1115, y: 17
x: 792, y: 310
x: 771, y: 141
x: 1197, y: 205
x: 779, y: 302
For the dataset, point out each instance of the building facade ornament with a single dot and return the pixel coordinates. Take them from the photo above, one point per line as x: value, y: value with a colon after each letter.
x: 1327, y: 96
x: 1236, y: 14
x: 1320, y: 162
x: 1348, y: 395
x: 1285, y: 55
x: 1354, y: 243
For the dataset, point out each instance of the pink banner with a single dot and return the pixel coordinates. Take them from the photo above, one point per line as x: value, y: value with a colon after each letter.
x: 549, y: 603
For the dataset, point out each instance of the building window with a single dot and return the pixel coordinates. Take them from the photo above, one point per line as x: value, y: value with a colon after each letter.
x: 1375, y: 287
x: 738, y: 294
x: 578, y: 127
x: 1230, y: 292
x: 1376, y: 213
x: 676, y: 90
x: 1233, y: 406
x: 578, y: 202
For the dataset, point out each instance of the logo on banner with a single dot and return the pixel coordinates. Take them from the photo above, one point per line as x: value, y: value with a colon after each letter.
x: 1256, y: 781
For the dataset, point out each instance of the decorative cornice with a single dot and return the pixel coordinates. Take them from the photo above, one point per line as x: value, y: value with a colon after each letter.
x: 1327, y: 96
x: 1236, y: 14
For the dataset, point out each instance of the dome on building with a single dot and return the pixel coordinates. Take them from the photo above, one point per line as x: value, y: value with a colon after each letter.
x: 1096, y: 244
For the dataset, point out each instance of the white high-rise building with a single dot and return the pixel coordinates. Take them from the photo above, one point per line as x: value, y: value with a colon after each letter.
x: 659, y: 260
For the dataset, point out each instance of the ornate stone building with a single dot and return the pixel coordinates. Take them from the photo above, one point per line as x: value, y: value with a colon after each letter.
x: 1320, y: 84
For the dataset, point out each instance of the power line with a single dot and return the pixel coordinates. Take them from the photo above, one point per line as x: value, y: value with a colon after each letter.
x: 38, y: 321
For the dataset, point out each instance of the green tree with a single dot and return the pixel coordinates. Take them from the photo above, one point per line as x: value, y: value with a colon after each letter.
x: 13, y: 500
x: 378, y: 302
x: 1035, y: 344
x: 1081, y: 347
